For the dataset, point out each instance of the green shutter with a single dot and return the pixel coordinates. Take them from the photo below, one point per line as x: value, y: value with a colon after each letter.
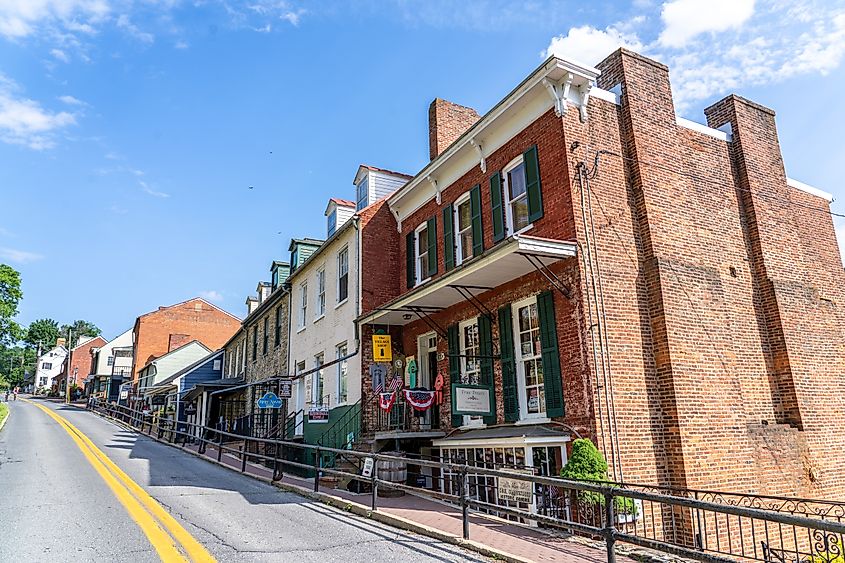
x: 510, y: 396
x: 448, y: 237
x: 410, y: 259
x: 485, y: 349
x: 432, y: 246
x: 498, y: 208
x: 454, y: 369
x: 475, y: 211
x: 553, y: 382
x: 532, y: 184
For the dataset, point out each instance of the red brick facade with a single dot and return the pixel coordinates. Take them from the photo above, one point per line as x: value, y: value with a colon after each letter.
x: 720, y: 284
x: 160, y: 331
x: 79, y: 360
x: 447, y: 122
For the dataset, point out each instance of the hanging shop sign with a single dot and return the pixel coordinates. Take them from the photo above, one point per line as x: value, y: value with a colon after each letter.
x: 285, y: 388
x: 124, y: 395
x: 410, y: 371
x: 269, y: 401
x: 191, y: 410
x: 386, y: 400
x: 472, y: 400
x: 378, y: 373
x: 514, y: 490
x: 318, y: 415
x: 382, y: 349
x: 421, y: 400
x: 438, y: 388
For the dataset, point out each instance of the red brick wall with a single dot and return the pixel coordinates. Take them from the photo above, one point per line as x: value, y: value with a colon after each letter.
x: 81, y: 360
x: 447, y: 122
x: 380, y: 262
x: 195, y: 319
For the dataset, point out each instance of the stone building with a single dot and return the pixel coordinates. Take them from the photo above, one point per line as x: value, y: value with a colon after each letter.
x: 580, y: 261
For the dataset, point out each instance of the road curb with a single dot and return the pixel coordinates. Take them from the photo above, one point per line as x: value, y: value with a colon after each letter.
x: 352, y: 507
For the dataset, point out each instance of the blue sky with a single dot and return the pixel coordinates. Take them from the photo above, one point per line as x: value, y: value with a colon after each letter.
x: 130, y: 131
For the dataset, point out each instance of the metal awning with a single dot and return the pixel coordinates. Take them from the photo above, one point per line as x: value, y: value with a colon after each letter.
x: 517, y: 256
x: 506, y: 434
x: 159, y: 390
x: 215, y: 385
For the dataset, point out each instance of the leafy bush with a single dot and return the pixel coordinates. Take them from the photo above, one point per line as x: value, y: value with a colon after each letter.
x: 588, y: 464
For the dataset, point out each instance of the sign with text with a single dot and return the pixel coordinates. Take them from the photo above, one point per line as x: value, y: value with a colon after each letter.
x: 318, y: 415
x: 285, y: 388
x: 269, y: 401
x: 367, y: 470
x: 382, y: 349
x: 472, y: 400
x: 514, y: 490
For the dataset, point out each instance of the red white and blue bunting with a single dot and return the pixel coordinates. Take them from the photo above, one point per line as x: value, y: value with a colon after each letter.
x: 420, y: 400
x: 386, y: 400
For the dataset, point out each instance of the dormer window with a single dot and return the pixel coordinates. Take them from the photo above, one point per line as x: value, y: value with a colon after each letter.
x: 294, y: 257
x: 363, y: 194
x: 332, y: 222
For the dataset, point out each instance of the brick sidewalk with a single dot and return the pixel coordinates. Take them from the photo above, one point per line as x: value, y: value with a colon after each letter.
x: 521, y: 542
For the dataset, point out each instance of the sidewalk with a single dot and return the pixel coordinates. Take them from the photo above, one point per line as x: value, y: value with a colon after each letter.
x: 504, y: 539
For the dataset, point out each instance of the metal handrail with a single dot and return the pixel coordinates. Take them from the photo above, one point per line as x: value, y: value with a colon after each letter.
x: 743, y: 528
x: 352, y: 417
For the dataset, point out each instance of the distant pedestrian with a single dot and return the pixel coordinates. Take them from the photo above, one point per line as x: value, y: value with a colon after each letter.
x: 15, y: 394
x: 7, y: 394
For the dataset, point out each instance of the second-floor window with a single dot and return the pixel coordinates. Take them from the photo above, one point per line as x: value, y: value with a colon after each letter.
x: 516, y: 196
x: 278, y: 339
x: 342, y: 275
x: 317, y: 387
x: 463, y: 229
x: 265, y: 341
x: 47, y: 365
x: 303, y: 304
x: 321, y: 292
x: 422, y: 263
x: 254, y: 343
x: 110, y: 361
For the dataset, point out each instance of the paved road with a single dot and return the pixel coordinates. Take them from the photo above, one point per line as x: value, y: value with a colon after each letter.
x: 54, y: 505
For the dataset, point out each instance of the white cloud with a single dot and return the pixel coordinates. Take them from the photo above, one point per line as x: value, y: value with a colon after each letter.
x: 25, y: 122
x: 60, y: 55
x: 685, y: 19
x: 292, y: 16
x: 589, y: 45
x: 71, y: 101
x: 181, y: 45
x: 20, y: 18
x: 125, y: 23
x: 19, y: 256
x: 752, y: 44
x: 149, y: 190
x: 212, y: 295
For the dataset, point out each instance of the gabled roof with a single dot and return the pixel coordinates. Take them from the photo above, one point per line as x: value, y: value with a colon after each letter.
x: 306, y: 240
x: 188, y: 369
x: 212, y: 305
x: 384, y: 171
x: 342, y: 202
x: 89, y: 341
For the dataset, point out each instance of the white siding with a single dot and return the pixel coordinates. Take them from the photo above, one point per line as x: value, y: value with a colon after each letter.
x: 382, y: 185
x: 343, y: 215
x: 102, y: 367
x: 55, y: 358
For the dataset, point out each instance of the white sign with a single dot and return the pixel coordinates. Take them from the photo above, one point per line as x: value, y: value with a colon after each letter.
x: 318, y: 415
x: 471, y: 400
x: 367, y: 470
x: 515, y: 490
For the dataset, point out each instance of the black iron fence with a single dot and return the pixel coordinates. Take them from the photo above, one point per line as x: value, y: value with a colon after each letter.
x: 404, y: 418
x: 702, y: 525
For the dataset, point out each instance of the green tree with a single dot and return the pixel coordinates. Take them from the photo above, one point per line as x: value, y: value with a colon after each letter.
x: 43, y: 332
x: 588, y: 464
x: 10, y: 296
x: 77, y: 329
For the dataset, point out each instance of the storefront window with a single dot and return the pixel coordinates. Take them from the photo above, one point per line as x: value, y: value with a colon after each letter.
x: 529, y: 360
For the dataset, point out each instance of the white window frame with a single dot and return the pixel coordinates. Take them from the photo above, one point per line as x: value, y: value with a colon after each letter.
x: 519, y: 359
x: 506, y: 198
x: 318, y: 385
x: 303, y: 304
x: 342, y: 372
x: 343, y: 269
x: 365, y: 182
x: 321, y: 294
x: 456, y: 232
x: 469, y: 420
x: 331, y: 217
x: 417, y: 256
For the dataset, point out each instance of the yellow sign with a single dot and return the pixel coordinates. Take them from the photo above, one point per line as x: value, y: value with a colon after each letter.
x: 382, y: 348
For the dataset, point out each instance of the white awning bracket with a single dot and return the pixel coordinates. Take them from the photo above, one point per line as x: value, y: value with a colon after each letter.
x: 433, y: 183
x: 584, y: 98
x: 398, y: 220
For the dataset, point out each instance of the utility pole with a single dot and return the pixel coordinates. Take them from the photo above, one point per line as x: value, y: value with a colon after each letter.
x: 67, y: 382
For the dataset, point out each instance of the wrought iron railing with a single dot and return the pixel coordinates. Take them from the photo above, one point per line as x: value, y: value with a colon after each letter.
x: 343, y: 433
x: 639, y: 515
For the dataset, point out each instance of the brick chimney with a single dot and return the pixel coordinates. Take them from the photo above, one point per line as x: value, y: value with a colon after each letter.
x: 447, y: 122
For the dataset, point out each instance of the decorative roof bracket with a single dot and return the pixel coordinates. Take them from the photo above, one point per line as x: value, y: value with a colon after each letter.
x: 482, y: 160
x: 584, y: 98
x: 398, y: 220
x: 559, y: 92
x: 433, y: 183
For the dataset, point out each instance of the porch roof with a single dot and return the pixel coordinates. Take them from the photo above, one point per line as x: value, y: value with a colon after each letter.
x: 521, y: 433
x: 508, y: 260
x: 199, y: 388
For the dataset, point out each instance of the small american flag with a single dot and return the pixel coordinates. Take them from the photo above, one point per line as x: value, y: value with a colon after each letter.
x: 396, y: 383
x: 379, y: 388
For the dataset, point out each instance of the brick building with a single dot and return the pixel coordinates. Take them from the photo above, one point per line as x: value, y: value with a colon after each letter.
x: 78, y: 362
x: 580, y: 261
x: 168, y: 328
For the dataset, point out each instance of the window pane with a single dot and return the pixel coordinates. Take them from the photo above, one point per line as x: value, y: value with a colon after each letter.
x: 519, y: 210
x: 422, y: 241
x: 516, y: 181
x: 464, y: 216
x: 466, y: 244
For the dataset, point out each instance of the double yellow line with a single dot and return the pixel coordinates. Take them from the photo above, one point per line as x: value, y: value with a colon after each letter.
x: 170, y: 540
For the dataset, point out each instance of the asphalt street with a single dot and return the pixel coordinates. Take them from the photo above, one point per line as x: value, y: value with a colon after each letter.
x: 54, y: 506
